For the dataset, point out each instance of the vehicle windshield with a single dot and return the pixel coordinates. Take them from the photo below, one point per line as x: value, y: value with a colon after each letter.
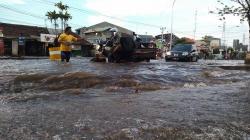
x: 182, y: 48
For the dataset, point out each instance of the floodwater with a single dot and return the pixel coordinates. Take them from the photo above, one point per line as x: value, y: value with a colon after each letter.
x: 41, y: 100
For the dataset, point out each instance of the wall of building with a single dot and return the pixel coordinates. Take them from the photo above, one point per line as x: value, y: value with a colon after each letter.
x: 32, y: 48
x: 14, y: 48
x: 1, y: 47
x: 35, y: 48
x: 94, y: 38
x: 7, y: 47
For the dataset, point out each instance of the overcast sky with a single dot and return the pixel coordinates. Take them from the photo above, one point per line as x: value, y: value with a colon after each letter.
x: 141, y: 16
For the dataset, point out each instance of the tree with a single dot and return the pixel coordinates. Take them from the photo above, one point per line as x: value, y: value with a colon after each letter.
x: 207, y: 39
x: 185, y: 40
x: 231, y: 53
x: 66, y: 17
x: 241, y: 9
x: 53, y: 16
x: 63, y: 15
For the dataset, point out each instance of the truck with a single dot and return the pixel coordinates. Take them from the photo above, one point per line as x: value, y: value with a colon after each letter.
x: 126, y: 50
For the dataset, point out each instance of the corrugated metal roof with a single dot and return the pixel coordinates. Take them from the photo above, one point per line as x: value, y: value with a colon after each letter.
x: 14, y: 30
x: 105, y: 25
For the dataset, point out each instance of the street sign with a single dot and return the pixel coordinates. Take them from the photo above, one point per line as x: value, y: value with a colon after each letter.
x: 21, y: 41
x: 47, y: 38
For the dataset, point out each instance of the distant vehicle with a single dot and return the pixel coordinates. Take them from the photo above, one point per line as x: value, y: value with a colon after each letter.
x: 183, y: 52
x: 218, y: 56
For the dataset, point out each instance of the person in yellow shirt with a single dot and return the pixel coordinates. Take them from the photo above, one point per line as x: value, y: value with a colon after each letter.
x: 66, y: 40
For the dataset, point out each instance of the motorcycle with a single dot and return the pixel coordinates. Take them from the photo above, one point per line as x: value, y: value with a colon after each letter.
x: 124, y: 50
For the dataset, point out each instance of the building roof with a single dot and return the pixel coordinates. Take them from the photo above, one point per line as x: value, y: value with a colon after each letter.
x: 97, y: 30
x: 82, y: 41
x: 33, y: 32
x: 104, y: 26
x: 14, y: 30
x: 167, y: 37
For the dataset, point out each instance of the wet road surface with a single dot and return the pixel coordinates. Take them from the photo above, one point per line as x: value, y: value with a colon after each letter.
x: 40, y: 99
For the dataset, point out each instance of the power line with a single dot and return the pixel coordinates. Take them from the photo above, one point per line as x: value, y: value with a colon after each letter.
x: 47, y: 2
x: 19, y: 21
x: 32, y: 15
x: 20, y: 12
x: 101, y: 14
x: 195, y: 23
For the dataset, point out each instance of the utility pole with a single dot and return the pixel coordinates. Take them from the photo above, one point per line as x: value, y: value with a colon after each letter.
x: 224, y: 36
x: 244, y: 39
x: 248, y: 47
x: 172, y: 20
x: 195, y: 24
x: 162, y: 32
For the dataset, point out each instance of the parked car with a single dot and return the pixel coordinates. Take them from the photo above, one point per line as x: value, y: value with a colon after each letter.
x: 183, y: 52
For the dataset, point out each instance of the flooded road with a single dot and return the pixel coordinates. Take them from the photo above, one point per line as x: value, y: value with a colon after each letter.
x: 40, y: 99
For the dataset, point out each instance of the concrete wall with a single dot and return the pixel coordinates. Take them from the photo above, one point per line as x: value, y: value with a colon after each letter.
x: 1, y: 47
x: 247, y: 59
x: 14, y: 48
x: 92, y: 37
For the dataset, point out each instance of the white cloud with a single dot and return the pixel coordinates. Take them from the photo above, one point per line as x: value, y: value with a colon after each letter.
x: 97, y: 19
x: 160, y: 13
x: 12, y: 2
x: 128, y: 7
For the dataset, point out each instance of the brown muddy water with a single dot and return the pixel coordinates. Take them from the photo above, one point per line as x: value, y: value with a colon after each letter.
x: 44, y: 100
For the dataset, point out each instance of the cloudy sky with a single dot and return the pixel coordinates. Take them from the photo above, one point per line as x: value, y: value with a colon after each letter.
x: 141, y: 16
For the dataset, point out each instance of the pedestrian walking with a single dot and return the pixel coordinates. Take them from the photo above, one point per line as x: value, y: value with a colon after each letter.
x: 66, y: 39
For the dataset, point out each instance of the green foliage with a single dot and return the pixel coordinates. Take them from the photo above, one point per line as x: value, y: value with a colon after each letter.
x: 230, y: 49
x: 241, y: 9
x: 184, y: 40
x: 53, y: 16
x: 207, y: 39
x: 63, y: 15
x: 216, y: 51
x: 180, y: 41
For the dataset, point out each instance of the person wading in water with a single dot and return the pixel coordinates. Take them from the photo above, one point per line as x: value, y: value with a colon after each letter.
x: 66, y: 39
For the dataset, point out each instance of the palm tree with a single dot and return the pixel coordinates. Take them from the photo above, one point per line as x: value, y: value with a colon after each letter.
x: 53, y: 16
x: 66, y: 17
x: 63, y: 14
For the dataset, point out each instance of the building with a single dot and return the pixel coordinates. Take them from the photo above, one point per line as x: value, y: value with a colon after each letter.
x: 22, y: 40
x: 239, y: 46
x: 100, y: 31
x: 215, y: 43
x: 1, y: 42
x: 236, y: 44
x: 202, y: 46
x: 167, y: 37
x: 242, y: 48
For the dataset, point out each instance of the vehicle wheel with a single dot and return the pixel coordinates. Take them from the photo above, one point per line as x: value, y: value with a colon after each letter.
x: 166, y: 59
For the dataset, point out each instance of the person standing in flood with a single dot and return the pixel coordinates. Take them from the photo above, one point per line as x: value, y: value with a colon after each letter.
x: 66, y: 39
